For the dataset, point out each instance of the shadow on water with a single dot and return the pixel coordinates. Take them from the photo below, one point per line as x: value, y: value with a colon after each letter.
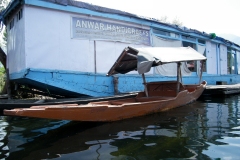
x: 206, y: 129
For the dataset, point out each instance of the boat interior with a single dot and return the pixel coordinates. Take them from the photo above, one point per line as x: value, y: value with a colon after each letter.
x: 164, y: 90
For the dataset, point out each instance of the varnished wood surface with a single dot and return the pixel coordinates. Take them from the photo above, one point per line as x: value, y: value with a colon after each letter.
x: 114, y: 110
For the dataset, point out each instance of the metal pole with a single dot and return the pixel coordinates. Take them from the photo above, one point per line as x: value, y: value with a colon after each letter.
x: 200, y: 78
x: 178, y: 74
x: 145, y: 85
x: 181, y: 74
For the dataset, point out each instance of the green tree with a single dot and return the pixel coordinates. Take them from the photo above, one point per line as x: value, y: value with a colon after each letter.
x: 3, y: 43
x: 3, y: 34
x: 2, y: 78
x: 4, y: 38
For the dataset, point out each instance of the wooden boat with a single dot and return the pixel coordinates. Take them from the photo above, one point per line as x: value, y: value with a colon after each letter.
x: 27, y: 103
x: 156, y: 97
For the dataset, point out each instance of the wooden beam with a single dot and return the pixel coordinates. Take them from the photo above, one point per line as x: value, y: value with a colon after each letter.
x: 201, y: 71
x: 145, y: 84
x: 132, y: 55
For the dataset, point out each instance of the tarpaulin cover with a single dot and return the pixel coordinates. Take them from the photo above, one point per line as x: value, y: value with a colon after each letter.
x: 169, y: 69
x: 142, y: 59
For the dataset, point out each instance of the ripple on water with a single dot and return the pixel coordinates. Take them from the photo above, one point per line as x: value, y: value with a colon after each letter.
x: 4, y: 149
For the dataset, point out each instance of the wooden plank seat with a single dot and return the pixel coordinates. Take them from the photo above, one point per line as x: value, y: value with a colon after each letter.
x: 163, y: 88
x: 141, y: 99
x: 157, y: 98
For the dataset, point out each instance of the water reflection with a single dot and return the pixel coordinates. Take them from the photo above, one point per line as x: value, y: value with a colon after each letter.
x: 206, y: 129
x: 4, y: 150
x: 224, y: 129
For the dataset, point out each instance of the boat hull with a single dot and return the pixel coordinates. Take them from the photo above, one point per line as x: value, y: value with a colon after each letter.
x: 105, y: 111
x: 77, y: 84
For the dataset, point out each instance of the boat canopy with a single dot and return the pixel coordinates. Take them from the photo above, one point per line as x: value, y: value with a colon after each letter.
x: 142, y: 59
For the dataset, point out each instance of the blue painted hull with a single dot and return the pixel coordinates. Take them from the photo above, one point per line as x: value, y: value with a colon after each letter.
x: 75, y: 84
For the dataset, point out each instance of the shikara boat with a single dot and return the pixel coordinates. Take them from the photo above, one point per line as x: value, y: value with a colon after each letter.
x: 27, y: 103
x: 156, y: 97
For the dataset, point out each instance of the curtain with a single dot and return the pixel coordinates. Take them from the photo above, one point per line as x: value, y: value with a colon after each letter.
x: 201, y: 49
x: 238, y: 62
x: 171, y: 68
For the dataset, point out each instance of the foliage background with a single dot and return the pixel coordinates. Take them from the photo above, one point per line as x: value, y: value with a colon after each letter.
x: 3, y: 43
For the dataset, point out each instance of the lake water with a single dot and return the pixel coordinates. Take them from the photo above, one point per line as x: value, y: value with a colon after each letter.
x: 206, y: 129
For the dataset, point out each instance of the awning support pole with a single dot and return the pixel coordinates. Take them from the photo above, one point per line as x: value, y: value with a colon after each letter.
x: 145, y: 85
x: 181, y: 74
x: 178, y: 76
x: 201, y: 71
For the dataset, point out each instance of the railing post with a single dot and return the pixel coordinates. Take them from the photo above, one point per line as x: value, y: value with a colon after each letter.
x: 145, y: 85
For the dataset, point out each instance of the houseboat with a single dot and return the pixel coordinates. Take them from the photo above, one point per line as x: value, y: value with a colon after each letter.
x: 66, y: 47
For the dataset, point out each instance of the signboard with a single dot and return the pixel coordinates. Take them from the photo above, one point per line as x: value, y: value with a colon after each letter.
x: 99, y: 29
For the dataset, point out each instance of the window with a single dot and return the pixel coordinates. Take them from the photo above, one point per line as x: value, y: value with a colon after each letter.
x: 174, y: 35
x: 201, y: 41
x: 204, y: 63
x: 11, y: 24
x: 165, y: 33
x: 188, y: 38
x: 192, y: 65
x: 231, y: 61
x: 19, y: 15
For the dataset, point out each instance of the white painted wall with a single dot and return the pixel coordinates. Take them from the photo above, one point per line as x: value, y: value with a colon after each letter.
x: 49, y: 44
x: 223, y: 59
x: 16, y: 45
x: 107, y: 53
x: 42, y: 40
x: 238, y: 61
x: 211, y: 58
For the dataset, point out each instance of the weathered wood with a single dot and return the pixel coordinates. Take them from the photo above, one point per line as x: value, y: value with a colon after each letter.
x: 27, y: 103
x: 145, y: 84
x: 115, y: 83
x: 200, y: 79
x: 178, y: 76
x: 163, y: 88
